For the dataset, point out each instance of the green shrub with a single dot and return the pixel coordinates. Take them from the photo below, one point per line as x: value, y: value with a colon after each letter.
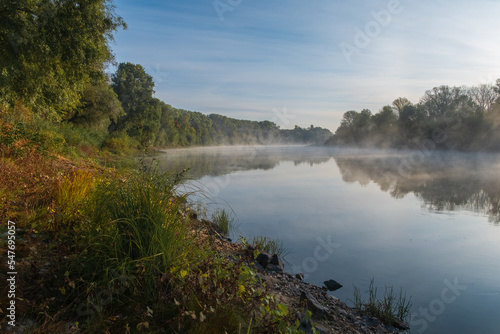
x: 20, y: 139
x: 120, y: 144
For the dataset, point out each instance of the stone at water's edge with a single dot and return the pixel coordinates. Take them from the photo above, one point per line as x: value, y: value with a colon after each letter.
x: 332, y: 285
x: 264, y: 258
x: 270, y: 262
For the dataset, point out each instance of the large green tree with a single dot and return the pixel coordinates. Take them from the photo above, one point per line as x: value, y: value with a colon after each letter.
x: 50, y: 50
x: 143, y: 112
x: 98, y: 107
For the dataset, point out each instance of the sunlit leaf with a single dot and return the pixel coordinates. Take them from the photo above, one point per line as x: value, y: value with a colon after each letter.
x: 183, y: 273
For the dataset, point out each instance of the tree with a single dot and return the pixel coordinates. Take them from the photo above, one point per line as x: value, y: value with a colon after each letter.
x: 446, y: 102
x: 354, y: 127
x: 132, y: 85
x: 411, y: 121
x: 400, y: 103
x: 52, y: 49
x: 98, y: 107
x: 385, y: 118
x: 134, y: 88
x: 143, y: 123
x: 484, y: 96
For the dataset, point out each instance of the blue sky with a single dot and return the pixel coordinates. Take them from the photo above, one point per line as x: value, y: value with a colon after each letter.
x: 307, y: 62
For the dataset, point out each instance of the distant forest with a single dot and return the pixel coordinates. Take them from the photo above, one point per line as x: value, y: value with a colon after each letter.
x: 151, y: 121
x: 452, y: 118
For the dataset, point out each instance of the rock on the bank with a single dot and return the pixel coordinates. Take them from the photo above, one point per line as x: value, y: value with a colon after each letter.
x: 318, y: 310
x: 270, y: 262
x: 332, y: 285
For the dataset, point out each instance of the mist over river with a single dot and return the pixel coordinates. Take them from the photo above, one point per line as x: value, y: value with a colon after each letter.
x: 424, y: 221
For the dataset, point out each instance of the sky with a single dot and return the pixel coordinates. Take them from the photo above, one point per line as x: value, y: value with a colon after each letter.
x: 298, y: 62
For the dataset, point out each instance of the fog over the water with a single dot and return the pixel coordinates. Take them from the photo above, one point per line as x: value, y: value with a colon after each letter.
x: 441, y: 180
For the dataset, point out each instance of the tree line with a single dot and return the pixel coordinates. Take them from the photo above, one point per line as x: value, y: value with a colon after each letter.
x: 53, y: 61
x: 153, y: 122
x: 457, y: 118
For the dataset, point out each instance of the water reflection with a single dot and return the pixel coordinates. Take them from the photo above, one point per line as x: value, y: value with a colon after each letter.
x: 217, y: 161
x: 442, y: 182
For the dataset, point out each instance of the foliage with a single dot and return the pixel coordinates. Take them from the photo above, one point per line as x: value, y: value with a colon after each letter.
x: 27, y: 187
x: 457, y: 118
x: 224, y: 296
x: 98, y: 107
x: 17, y: 139
x: 134, y: 88
x: 390, y: 309
x: 62, y: 44
x: 120, y: 143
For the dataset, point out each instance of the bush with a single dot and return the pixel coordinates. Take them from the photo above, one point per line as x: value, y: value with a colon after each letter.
x: 18, y: 139
x: 120, y: 144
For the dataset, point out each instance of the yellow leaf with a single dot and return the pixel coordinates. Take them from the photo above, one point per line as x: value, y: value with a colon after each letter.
x: 63, y: 291
x: 142, y: 325
x: 242, y: 289
x: 71, y: 284
x: 183, y: 273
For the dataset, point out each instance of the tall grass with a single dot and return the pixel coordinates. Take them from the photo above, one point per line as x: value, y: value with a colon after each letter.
x: 133, y: 222
x: 72, y: 194
x: 391, y: 308
x: 224, y: 223
x: 270, y: 245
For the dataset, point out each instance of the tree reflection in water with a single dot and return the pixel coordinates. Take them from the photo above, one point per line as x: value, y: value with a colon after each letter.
x: 442, y: 181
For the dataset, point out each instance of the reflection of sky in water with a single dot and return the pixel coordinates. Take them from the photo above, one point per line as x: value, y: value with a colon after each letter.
x: 398, y: 241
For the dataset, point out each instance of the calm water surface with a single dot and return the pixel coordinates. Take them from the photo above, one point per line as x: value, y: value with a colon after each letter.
x: 426, y: 222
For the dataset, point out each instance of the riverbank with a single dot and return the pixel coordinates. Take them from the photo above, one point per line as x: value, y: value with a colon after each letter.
x: 328, y: 314
x: 98, y: 250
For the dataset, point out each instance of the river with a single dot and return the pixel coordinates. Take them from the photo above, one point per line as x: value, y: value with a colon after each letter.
x: 424, y: 221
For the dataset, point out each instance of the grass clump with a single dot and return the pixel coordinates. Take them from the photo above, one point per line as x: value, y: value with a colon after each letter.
x: 135, y: 219
x: 270, y: 245
x: 223, y: 222
x: 391, y: 309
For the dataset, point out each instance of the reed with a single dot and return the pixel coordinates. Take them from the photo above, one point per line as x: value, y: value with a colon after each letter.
x: 391, y: 308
